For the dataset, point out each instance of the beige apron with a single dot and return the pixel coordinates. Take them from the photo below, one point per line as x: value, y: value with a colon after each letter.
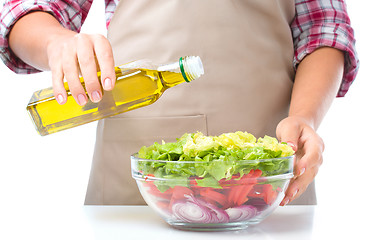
x: 246, y: 48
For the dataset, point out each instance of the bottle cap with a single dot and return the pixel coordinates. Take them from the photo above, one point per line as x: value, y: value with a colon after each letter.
x: 191, y: 67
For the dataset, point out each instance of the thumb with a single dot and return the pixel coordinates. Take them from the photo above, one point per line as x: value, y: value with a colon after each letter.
x: 289, y: 132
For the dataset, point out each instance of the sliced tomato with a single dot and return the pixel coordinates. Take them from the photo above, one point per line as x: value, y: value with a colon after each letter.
x: 179, y: 192
x: 238, y: 195
x: 270, y: 195
x: 235, y: 194
x: 265, y: 192
x: 213, y: 196
x: 153, y: 190
x: 232, y: 181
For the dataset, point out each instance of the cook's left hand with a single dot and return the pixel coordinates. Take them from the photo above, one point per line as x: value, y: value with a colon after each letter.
x: 308, y: 147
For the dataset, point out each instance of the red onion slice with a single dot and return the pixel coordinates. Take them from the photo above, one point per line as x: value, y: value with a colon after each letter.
x: 197, y: 211
x: 241, y: 213
x: 192, y: 212
x: 221, y: 215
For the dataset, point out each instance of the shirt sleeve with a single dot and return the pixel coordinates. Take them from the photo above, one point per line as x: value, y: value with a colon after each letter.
x: 320, y: 23
x: 71, y: 14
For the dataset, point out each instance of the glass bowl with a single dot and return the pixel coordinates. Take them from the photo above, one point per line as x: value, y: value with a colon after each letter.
x: 175, y: 190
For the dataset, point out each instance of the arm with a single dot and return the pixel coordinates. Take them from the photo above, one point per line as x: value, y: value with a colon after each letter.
x: 327, y: 64
x: 43, y: 35
x: 325, y: 23
x: 317, y: 82
x: 25, y: 42
x: 70, y: 13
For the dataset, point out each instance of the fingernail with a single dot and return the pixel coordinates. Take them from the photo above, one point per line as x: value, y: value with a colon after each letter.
x: 96, y: 96
x: 107, y: 84
x: 82, y: 99
x: 292, y: 145
x: 60, y: 99
x: 302, y: 171
x: 285, y: 202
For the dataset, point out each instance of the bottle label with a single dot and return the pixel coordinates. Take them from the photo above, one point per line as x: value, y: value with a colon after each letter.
x: 182, y: 70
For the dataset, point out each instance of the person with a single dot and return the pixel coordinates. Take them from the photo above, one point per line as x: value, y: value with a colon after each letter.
x: 271, y: 67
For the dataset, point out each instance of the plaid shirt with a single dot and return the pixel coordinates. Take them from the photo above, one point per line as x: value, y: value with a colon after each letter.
x: 317, y: 23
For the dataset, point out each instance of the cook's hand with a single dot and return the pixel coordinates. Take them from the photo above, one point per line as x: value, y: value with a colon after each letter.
x: 72, y: 55
x: 309, y: 148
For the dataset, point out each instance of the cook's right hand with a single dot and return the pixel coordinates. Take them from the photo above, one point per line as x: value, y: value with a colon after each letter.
x: 75, y: 55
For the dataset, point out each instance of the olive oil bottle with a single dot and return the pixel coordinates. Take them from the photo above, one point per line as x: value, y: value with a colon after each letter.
x: 138, y: 84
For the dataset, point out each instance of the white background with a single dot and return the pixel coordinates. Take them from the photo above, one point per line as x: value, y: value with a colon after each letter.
x: 52, y: 172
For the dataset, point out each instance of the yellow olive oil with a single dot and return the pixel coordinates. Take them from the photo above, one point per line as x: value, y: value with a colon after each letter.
x: 134, y: 88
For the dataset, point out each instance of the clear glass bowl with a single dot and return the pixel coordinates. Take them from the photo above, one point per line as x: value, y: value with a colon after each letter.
x: 189, y: 202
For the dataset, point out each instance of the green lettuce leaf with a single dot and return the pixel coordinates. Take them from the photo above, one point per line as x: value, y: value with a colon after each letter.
x: 209, y: 159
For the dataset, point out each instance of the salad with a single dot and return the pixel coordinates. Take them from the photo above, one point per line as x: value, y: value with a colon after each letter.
x: 215, y: 179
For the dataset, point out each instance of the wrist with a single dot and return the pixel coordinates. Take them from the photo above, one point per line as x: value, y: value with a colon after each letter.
x: 303, y: 118
x: 31, y: 36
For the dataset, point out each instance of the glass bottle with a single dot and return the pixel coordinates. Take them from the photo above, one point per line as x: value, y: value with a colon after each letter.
x: 138, y: 84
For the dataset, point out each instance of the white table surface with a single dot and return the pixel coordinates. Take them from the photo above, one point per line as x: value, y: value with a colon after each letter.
x: 140, y: 222
x: 290, y: 222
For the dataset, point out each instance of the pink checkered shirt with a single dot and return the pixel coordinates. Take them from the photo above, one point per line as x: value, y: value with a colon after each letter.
x: 317, y: 23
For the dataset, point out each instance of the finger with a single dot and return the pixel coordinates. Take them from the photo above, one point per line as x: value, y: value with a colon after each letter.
x: 290, y: 133
x: 298, y: 186
x: 104, y: 54
x: 311, y: 154
x: 71, y: 73
x: 290, y: 193
x: 309, y: 159
x: 58, y: 84
x: 88, y: 67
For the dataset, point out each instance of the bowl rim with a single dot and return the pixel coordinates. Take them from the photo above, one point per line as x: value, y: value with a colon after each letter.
x: 135, y: 158
x: 145, y: 178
